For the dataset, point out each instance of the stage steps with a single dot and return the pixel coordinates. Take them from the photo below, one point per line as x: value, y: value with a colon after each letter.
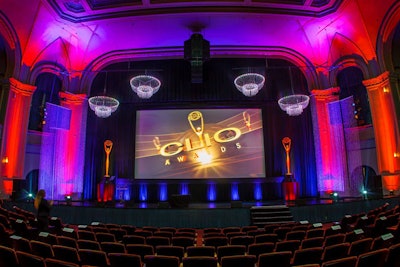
x: 262, y: 215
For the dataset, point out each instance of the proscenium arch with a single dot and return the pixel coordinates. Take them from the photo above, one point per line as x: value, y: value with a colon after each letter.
x: 292, y: 56
x: 12, y: 47
x: 385, y: 38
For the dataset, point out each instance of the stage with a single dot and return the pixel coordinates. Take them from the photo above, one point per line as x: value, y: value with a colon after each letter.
x: 202, y: 215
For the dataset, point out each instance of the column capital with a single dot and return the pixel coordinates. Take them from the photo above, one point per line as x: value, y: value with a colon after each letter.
x: 377, y: 82
x: 331, y: 93
x: 21, y: 88
x: 72, y: 99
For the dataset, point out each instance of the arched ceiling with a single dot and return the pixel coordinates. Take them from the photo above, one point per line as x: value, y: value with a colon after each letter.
x: 78, y: 34
x: 88, y: 10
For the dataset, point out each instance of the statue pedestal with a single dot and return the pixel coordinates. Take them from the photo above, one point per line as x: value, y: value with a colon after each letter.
x: 105, y: 190
x: 290, y: 187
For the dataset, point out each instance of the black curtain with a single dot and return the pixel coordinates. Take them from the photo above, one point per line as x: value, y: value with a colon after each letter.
x: 216, y: 91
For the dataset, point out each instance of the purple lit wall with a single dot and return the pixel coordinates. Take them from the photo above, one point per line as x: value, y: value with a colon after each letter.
x: 235, y: 191
x: 143, y: 192
x: 258, y: 191
x: 184, y: 189
x: 163, y: 192
x: 211, y: 192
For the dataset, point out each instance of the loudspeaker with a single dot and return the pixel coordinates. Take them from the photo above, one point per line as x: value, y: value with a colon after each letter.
x: 236, y: 204
x: 57, y: 117
x: 196, y: 48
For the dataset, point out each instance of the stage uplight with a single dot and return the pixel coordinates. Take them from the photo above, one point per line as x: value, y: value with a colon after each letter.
x: 68, y: 199
x: 365, y: 194
x: 335, y: 196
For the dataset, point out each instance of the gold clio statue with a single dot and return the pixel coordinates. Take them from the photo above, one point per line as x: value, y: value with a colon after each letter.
x: 286, y: 142
x: 108, y: 144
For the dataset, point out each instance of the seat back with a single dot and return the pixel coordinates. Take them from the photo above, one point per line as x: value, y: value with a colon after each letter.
x: 360, y: 246
x: 393, y: 258
x: 112, y: 247
x: 171, y: 251
x: 140, y: 249
x: 342, y: 262
x: 307, y: 256
x: 230, y: 250
x: 374, y: 258
x: 260, y: 248
x: 199, y: 261
x: 281, y: 259
x: 194, y: 251
x: 59, y: 263
x: 93, y: 257
x: 65, y: 253
x: 8, y: 257
x: 238, y: 260
x: 42, y: 249
x: 289, y: 245
x: 215, y: 241
x: 335, y: 252
x: 312, y: 242
x: 164, y: 261
x: 29, y: 260
x: 157, y: 241
x: 88, y: 244
x: 123, y: 259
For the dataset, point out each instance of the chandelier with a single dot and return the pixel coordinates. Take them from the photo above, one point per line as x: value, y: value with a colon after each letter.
x: 103, y: 106
x: 145, y: 86
x: 294, y: 104
x: 249, y: 83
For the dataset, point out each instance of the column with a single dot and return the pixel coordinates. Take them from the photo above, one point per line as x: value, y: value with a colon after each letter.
x: 15, y: 133
x: 329, y: 146
x: 69, y: 149
x: 386, y: 130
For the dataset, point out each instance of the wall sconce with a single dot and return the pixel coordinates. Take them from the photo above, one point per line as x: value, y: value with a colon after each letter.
x: 4, y: 160
x: 396, y: 154
x: 386, y: 89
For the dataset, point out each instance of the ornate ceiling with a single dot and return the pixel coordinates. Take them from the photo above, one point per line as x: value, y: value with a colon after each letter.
x: 88, y: 10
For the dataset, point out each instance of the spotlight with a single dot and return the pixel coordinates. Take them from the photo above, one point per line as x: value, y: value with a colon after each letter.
x: 334, y: 196
x: 365, y: 194
x: 29, y: 197
x: 68, y: 199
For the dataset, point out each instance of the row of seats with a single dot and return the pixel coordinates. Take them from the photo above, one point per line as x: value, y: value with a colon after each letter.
x: 387, y: 257
x: 67, y: 248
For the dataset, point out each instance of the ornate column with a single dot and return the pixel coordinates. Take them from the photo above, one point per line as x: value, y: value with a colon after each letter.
x: 15, y: 133
x: 329, y: 147
x: 65, y: 149
x: 385, y: 129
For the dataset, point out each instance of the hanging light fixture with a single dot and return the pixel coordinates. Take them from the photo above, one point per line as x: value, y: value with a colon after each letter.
x: 249, y: 83
x: 145, y: 86
x: 293, y: 104
x: 103, y: 106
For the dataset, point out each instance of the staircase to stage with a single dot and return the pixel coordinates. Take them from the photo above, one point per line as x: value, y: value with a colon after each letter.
x: 262, y: 215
